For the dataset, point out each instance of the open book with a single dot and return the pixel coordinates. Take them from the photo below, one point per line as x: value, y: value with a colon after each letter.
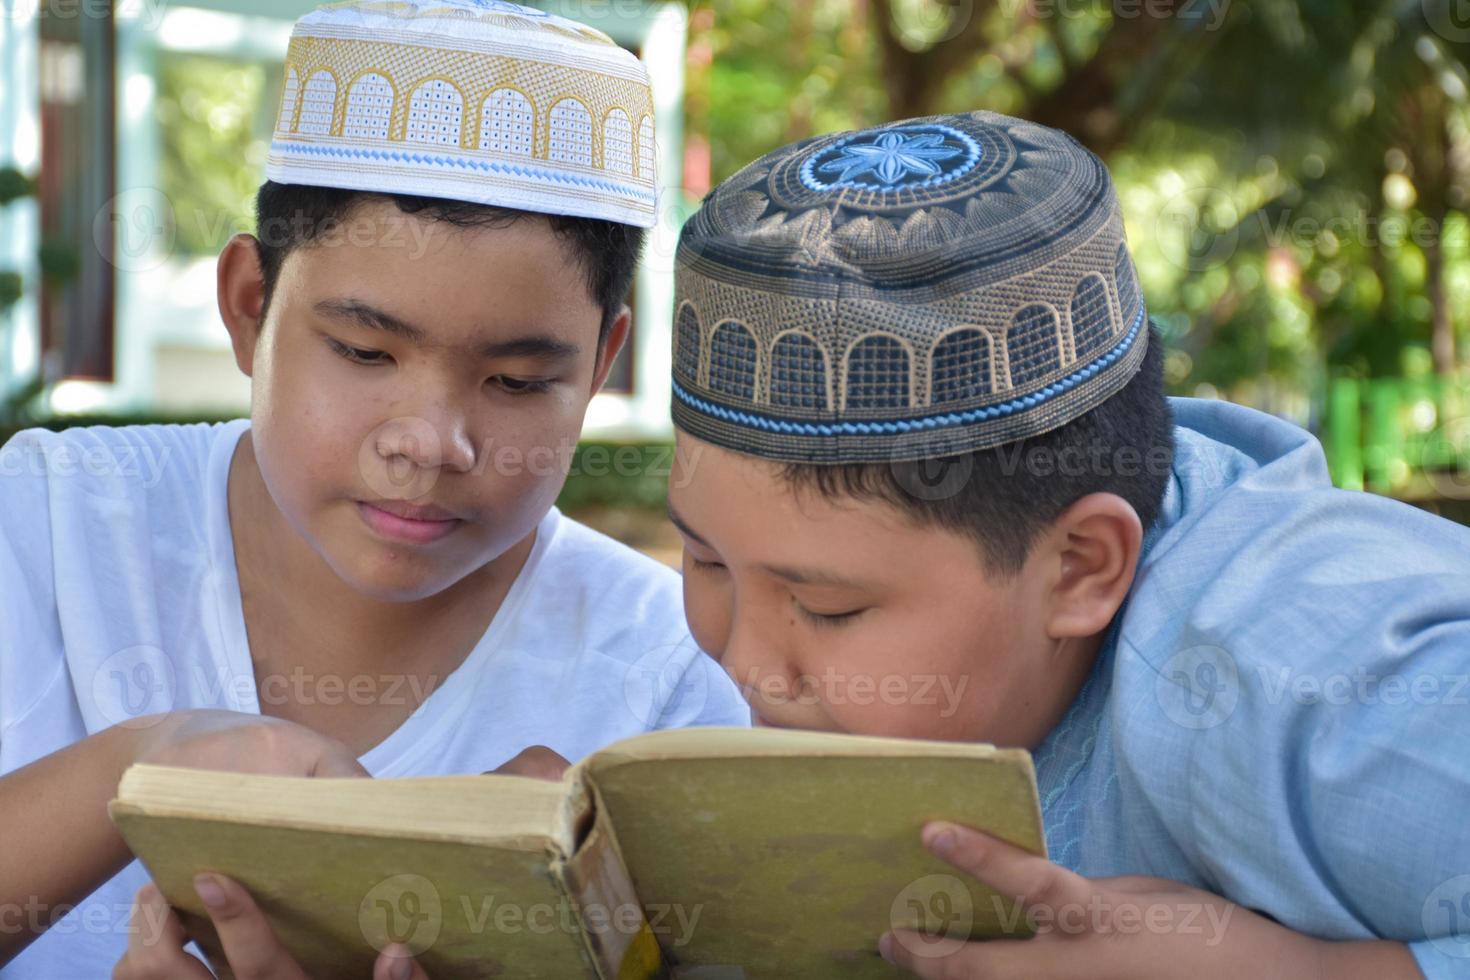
x: 707, y: 853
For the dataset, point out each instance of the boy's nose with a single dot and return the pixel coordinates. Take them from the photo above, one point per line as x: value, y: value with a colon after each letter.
x: 755, y: 666
x: 429, y: 440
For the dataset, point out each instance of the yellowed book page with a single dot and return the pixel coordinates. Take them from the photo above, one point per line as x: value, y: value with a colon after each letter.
x: 473, y: 897
x: 509, y: 811
x: 774, y: 864
x: 714, y: 741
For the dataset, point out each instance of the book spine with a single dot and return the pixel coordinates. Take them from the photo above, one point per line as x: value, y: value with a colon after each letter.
x: 619, y: 940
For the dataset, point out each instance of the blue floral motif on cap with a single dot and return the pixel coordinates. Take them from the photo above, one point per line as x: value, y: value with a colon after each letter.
x: 892, y: 159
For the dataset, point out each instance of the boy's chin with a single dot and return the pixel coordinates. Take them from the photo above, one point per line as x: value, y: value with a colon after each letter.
x: 808, y: 724
x: 387, y: 576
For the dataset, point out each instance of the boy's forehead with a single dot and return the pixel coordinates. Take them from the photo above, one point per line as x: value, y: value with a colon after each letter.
x: 922, y: 289
x: 426, y: 282
x: 480, y: 101
x: 712, y: 479
x: 377, y: 222
x: 743, y: 509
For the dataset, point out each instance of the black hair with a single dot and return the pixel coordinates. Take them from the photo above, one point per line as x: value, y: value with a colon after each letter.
x: 1005, y: 497
x: 289, y: 216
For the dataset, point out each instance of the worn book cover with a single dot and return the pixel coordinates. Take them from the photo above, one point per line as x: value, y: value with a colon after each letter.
x: 700, y: 853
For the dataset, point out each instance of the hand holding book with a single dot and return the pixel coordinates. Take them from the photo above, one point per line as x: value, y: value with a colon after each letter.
x: 157, y: 938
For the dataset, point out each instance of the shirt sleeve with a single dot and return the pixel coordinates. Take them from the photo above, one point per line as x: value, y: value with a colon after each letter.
x: 704, y: 695
x: 1350, y: 821
x: 31, y: 647
x: 1443, y: 958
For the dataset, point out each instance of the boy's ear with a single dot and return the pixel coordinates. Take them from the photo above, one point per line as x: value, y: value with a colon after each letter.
x: 1092, y: 551
x: 612, y: 344
x: 240, y: 289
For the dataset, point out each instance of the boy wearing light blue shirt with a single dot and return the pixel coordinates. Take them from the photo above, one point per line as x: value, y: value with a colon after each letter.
x: 924, y: 434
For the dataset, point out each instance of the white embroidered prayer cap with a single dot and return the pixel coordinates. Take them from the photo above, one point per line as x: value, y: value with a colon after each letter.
x: 471, y: 100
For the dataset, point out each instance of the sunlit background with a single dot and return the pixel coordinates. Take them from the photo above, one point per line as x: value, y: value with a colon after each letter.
x: 1295, y: 176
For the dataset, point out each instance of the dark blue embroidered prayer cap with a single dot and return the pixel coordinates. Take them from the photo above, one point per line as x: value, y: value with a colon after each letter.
x: 925, y: 288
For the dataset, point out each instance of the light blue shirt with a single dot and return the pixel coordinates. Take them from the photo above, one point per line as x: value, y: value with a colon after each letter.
x: 1281, y: 714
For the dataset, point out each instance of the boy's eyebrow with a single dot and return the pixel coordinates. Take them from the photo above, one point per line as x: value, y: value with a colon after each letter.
x: 369, y: 316
x: 811, y: 576
x: 687, y: 531
x: 800, y: 576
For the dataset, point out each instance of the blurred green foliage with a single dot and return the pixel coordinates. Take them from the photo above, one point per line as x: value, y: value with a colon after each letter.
x: 1294, y: 173
x: 216, y: 133
x: 618, y: 476
x: 14, y: 185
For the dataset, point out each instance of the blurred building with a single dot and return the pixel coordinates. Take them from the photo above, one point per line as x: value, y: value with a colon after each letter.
x: 145, y: 124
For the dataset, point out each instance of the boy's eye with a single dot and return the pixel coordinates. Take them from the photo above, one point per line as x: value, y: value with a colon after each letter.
x: 828, y: 619
x: 519, y: 386
x: 705, y: 566
x: 357, y: 355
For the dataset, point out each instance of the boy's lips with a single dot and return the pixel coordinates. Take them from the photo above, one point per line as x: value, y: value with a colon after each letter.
x: 418, y: 524
x: 413, y: 512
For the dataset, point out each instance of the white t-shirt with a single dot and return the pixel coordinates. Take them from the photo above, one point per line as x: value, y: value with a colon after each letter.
x: 119, y: 598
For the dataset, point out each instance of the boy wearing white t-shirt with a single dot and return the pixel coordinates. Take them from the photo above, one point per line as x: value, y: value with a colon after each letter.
x: 368, y: 574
